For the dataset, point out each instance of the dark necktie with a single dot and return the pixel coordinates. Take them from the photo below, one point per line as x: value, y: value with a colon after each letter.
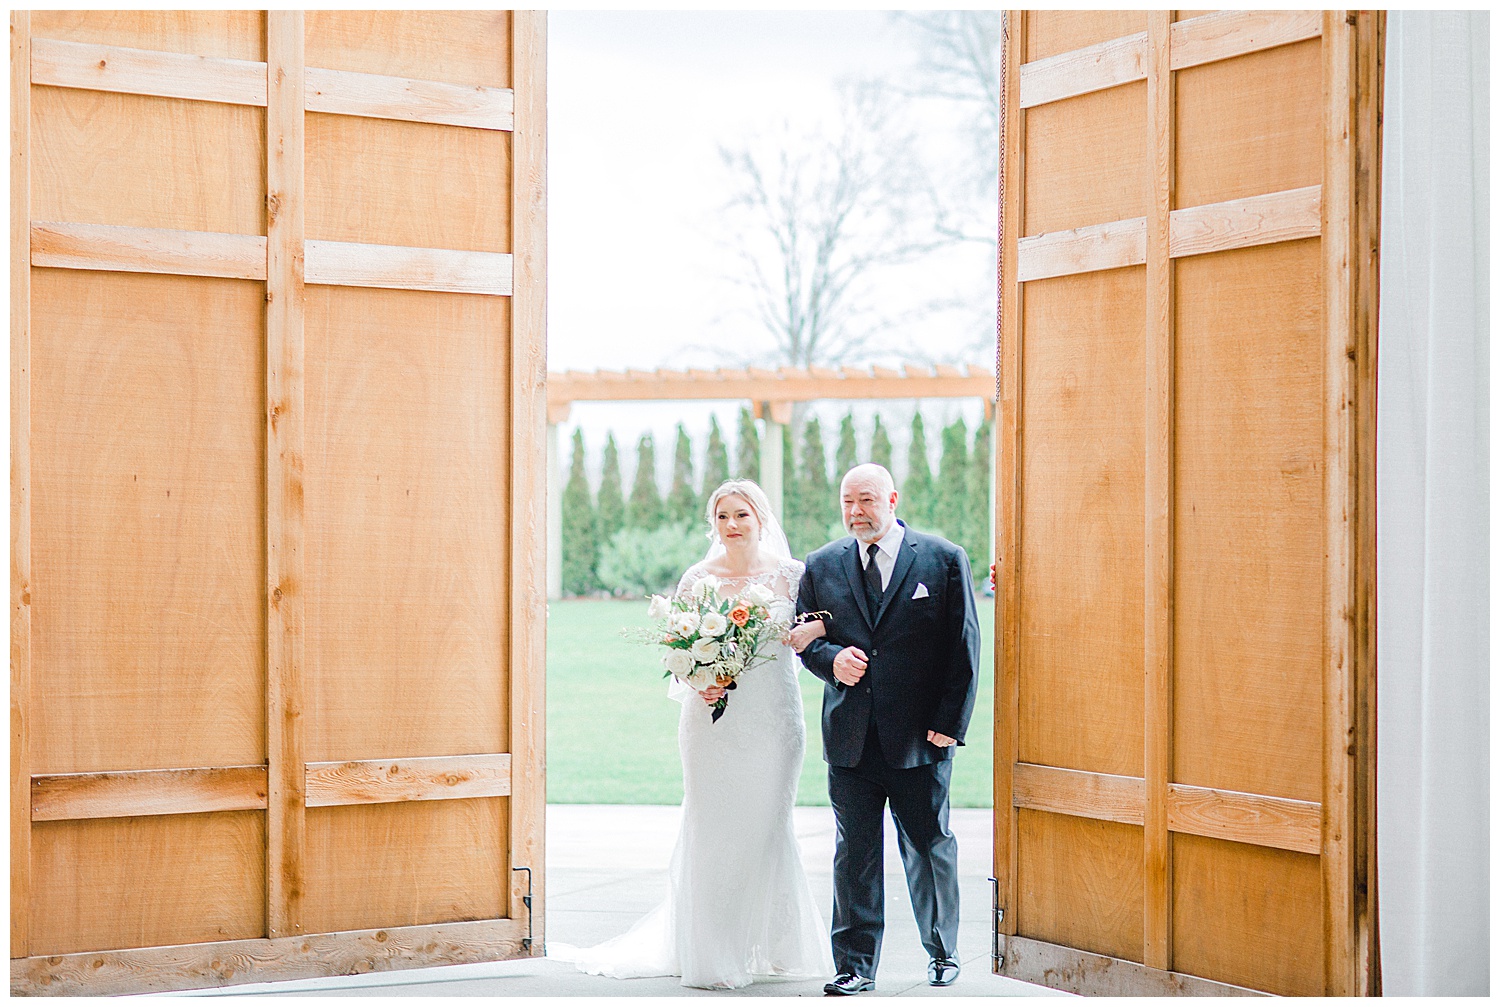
x: 873, y: 590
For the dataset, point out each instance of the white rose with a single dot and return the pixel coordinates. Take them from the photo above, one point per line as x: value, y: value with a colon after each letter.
x: 659, y: 607
x: 684, y: 623
x: 759, y: 594
x: 701, y: 677
x: 705, y: 650
x: 678, y: 663
x: 713, y: 624
x: 706, y: 588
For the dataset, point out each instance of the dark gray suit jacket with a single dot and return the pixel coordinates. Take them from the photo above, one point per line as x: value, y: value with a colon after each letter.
x: 923, y: 652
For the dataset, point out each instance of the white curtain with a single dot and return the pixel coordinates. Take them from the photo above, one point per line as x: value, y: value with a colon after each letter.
x: 1432, y: 490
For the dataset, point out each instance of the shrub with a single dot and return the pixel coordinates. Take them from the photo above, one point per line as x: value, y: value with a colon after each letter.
x: 637, y: 562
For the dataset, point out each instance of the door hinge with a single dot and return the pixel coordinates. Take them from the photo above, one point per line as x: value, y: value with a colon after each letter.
x: 526, y: 901
x: 996, y: 921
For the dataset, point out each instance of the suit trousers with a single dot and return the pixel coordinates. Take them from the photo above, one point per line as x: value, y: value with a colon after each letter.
x: 919, y: 803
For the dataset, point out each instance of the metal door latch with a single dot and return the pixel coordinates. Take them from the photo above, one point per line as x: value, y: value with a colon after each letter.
x: 526, y: 901
x: 996, y: 958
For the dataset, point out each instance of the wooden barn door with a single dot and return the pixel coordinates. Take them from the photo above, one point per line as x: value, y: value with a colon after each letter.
x: 278, y: 416
x: 1184, y: 769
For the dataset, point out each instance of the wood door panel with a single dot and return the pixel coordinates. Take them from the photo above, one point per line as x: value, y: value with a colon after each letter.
x: 1080, y: 883
x: 1085, y: 158
x: 1052, y: 33
x: 226, y: 34
x: 460, y: 47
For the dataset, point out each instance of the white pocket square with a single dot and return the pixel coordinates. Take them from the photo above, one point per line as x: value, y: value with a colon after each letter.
x: 920, y: 592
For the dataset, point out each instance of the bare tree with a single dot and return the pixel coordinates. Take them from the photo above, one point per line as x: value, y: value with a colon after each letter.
x: 816, y: 217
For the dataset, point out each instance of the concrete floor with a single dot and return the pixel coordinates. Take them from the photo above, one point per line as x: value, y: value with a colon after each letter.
x: 607, y: 865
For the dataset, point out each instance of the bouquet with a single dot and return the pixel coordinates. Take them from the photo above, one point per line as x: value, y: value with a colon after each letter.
x: 711, y: 640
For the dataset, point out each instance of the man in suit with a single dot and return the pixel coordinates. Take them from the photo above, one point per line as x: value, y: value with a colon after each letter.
x: 899, y: 661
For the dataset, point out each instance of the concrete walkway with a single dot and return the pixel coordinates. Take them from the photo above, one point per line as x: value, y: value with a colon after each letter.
x: 607, y: 865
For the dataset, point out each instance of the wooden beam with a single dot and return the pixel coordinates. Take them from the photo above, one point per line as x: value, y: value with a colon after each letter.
x: 760, y: 386
x: 528, y: 454
x: 1089, y: 974
x: 1157, y: 636
x: 64, y: 797
x: 1230, y: 33
x: 227, y: 963
x: 286, y: 814
x: 145, y: 71
x: 147, y: 250
x: 350, y: 264
x: 1115, y: 245
x: 1081, y: 71
x: 344, y: 92
x: 1254, y: 220
x: 20, y: 483
x: 1074, y: 792
x: 388, y: 781
x: 1245, y: 818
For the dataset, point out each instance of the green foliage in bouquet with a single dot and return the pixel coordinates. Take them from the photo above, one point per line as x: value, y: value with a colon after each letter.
x: 637, y: 562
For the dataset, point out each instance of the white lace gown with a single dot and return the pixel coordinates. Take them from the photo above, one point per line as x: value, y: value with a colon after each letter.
x: 738, y: 903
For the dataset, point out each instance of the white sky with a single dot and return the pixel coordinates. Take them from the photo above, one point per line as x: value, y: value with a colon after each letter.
x: 639, y: 103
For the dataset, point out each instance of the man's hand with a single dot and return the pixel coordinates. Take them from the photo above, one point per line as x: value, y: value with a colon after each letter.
x: 849, y: 665
x: 941, y: 740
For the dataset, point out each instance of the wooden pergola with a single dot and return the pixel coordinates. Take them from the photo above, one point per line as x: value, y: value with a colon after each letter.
x: 771, y: 394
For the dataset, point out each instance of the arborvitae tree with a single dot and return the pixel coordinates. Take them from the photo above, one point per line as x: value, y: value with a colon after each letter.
x: 645, y: 509
x: 847, y: 455
x: 916, y: 490
x: 611, y: 507
x: 880, y: 446
x: 980, y: 503
x: 682, y: 499
x: 715, y: 462
x: 949, y: 494
x: 791, y: 487
x: 818, y: 511
x: 580, y: 536
x: 747, y: 451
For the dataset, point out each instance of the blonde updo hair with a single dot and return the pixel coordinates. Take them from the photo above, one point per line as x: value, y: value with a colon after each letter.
x: 746, y: 491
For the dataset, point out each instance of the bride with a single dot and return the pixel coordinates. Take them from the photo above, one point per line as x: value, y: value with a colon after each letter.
x: 738, y: 903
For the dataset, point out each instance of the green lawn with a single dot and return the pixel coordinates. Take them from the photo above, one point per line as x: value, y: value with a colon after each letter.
x: 612, y: 731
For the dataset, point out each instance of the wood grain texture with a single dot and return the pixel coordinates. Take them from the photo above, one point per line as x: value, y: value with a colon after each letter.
x: 1008, y: 486
x: 1084, y: 795
x: 1074, y: 971
x: 407, y: 864
x: 385, y: 781
x: 285, y: 584
x: 1245, y: 818
x: 149, y: 792
x: 147, y: 524
x: 386, y: 182
x: 144, y: 71
x: 1250, y: 463
x: 20, y: 482
x: 528, y: 616
x: 109, y: 883
x: 1082, y: 512
x: 1230, y: 33
x: 339, y: 263
x: 784, y: 384
x: 1053, y: 32
x: 1340, y: 348
x: 1085, y: 161
x: 1081, y: 884
x: 225, y: 963
x: 147, y: 250
x: 346, y: 93
x: 1114, y: 245
x: 461, y: 47
x: 1242, y: 223
x: 138, y: 161
x: 226, y: 34
x: 1247, y: 915
x: 1249, y: 126
x: 408, y: 523
x: 1157, y: 631
x: 1093, y: 68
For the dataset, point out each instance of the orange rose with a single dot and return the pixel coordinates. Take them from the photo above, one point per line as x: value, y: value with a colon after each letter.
x: 739, y: 615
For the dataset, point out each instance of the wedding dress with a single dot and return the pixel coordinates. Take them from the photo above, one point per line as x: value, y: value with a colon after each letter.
x: 738, y: 902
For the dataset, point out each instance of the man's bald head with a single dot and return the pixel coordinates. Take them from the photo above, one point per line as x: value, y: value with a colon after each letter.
x: 868, y: 497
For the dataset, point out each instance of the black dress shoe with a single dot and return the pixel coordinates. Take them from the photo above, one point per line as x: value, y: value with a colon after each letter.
x: 942, y: 972
x: 847, y: 984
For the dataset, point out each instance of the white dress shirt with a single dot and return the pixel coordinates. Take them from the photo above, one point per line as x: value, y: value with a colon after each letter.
x: 885, y: 558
